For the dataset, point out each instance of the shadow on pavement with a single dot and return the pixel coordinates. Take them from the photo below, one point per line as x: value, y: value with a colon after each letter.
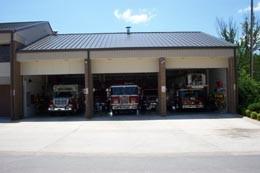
x: 123, y: 117
x: 5, y: 119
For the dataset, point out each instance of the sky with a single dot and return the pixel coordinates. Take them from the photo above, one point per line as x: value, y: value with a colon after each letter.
x: 87, y: 16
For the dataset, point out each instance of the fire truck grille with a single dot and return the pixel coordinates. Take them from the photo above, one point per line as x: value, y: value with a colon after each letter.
x: 124, y: 100
x: 60, y: 102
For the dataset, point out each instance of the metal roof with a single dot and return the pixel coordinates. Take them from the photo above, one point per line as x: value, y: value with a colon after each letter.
x: 126, y: 41
x: 15, y: 26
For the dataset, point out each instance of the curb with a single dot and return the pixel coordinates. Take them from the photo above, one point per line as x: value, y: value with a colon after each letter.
x: 252, y: 120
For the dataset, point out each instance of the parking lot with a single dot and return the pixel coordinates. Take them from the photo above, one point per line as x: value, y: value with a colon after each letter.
x: 173, y: 134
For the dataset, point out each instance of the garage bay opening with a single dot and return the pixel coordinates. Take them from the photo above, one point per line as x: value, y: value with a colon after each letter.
x: 188, y: 90
x: 193, y: 90
x: 46, y: 95
x: 134, y: 93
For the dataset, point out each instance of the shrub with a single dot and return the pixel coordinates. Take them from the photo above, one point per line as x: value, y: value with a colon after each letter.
x: 249, y: 90
x: 248, y: 113
x: 254, y: 115
x: 254, y: 107
x: 258, y: 116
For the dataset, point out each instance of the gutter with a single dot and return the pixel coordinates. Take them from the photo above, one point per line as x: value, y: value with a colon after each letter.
x: 126, y: 48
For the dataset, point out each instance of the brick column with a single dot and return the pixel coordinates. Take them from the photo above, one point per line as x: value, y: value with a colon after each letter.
x: 88, y: 88
x: 16, y: 87
x: 231, y: 87
x: 162, y: 87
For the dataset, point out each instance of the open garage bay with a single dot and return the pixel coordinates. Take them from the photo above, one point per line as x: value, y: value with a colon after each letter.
x: 40, y: 90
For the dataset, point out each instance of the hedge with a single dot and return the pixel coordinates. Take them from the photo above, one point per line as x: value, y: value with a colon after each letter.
x: 254, y: 115
x: 248, y: 113
x: 254, y: 107
x: 258, y: 116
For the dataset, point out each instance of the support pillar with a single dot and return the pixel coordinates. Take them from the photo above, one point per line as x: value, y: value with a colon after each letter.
x: 16, y: 87
x: 162, y: 87
x: 231, y: 90
x: 88, y: 91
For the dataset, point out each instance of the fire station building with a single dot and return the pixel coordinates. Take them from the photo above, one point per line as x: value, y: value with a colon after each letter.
x: 33, y: 58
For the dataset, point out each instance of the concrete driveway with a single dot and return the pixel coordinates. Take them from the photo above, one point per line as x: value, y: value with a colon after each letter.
x: 132, y: 135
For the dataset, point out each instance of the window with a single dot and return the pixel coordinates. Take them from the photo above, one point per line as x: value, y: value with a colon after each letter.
x: 124, y: 90
x: 4, y: 53
x: 63, y: 94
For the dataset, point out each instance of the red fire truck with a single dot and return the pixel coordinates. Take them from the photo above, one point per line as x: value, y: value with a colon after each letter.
x: 193, y: 96
x: 190, y: 96
x: 124, y: 97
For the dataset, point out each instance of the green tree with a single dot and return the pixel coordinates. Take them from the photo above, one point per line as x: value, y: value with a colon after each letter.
x: 249, y: 89
x: 227, y: 30
x: 245, y: 39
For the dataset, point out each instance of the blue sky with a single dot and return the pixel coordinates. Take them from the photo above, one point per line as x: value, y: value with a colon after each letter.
x: 80, y: 16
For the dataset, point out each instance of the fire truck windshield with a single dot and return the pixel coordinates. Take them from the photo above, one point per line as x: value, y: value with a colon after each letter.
x: 124, y: 90
x: 63, y: 94
x: 190, y: 93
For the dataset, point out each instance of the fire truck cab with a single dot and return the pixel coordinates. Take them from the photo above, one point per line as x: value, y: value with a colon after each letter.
x: 65, y: 98
x: 193, y: 96
x: 124, y: 97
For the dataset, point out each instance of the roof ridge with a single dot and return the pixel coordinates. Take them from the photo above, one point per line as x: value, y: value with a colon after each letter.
x: 28, y: 24
x: 131, y: 32
x: 22, y: 22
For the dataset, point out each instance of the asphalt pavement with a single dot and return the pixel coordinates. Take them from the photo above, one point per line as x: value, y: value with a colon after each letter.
x: 58, y: 163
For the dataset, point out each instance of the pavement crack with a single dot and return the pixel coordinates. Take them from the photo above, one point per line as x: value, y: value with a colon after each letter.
x: 60, y: 138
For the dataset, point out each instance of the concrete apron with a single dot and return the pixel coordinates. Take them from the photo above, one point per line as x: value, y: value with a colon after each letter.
x: 160, y: 135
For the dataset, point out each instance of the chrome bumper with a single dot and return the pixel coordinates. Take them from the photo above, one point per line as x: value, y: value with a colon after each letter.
x: 124, y: 107
x: 56, y: 109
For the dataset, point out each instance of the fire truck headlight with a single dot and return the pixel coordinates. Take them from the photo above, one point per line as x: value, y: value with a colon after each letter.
x: 133, y: 100
x: 69, y: 107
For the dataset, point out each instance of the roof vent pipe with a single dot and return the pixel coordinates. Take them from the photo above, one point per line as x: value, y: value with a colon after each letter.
x: 128, y: 29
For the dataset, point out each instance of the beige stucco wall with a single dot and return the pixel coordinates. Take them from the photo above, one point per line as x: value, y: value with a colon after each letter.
x: 169, y: 53
x: 196, y: 62
x: 98, y: 66
x: 116, y: 65
x: 52, y: 67
x: 62, y: 55
x: 5, y: 38
x: 5, y: 73
x: 124, y: 65
x: 4, y: 69
x: 121, y: 61
x: 152, y: 53
x: 5, y: 80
